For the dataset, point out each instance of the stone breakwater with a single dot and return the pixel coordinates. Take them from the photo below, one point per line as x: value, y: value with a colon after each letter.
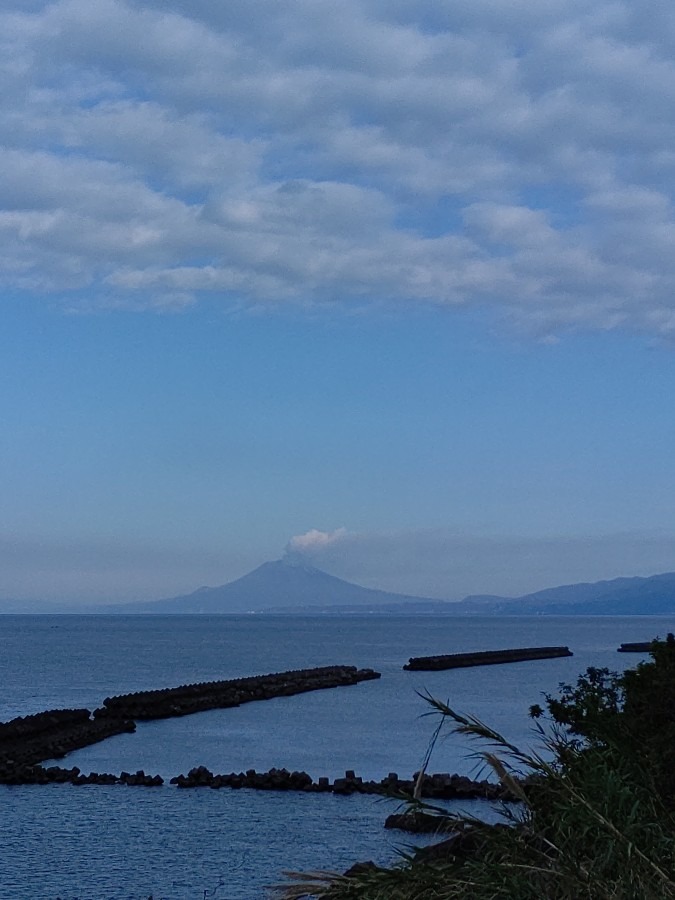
x: 27, y: 740
x: 483, y: 658
x: 191, y: 698
x: 440, y: 786
x: 24, y: 774
x: 635, y: 647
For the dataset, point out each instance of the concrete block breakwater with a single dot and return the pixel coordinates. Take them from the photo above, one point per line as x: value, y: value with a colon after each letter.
x: 27, y: 740
x: 191, y: 698
x: 483, y: 658
x: 635, y: 647
x: 24, y: 774
x: 441, y: 786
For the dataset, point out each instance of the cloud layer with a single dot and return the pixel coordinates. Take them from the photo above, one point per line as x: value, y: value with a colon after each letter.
x: 437, y: 563
x: 512, y: 155
x: 71, y: 572
x: 450, y: 565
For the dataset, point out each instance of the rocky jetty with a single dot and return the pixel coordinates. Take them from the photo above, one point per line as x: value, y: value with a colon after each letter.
x: 191, y: 698
x: 483, y: 658
x: 440, y: 786
x: 635, y: 647
x: 25, y: 774
x: 27, y: 740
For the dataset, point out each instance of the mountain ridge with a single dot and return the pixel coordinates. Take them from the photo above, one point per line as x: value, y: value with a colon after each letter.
x: 633, y: 595
x: 276, y: 585
x: 288, y: 587
x: 285, y: 587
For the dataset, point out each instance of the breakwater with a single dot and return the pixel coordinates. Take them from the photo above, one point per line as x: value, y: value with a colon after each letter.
x: 191, y: 698
x: 440, y: 786
x: 635, y: 647
x: 483, y: 658
x: 27, y: 740
x: 36, y: 774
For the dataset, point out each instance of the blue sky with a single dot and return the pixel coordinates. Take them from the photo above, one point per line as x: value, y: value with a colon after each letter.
x: 392, y: 285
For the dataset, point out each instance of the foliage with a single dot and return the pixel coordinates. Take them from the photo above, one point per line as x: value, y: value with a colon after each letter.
x: 597, y: 814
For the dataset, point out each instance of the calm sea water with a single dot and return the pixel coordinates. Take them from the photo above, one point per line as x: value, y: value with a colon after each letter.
x: 95, y: 842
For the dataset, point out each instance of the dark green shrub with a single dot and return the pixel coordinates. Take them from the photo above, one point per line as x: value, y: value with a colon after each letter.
x: 597, y: 813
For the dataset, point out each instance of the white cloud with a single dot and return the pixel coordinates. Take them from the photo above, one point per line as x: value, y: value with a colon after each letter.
x: 313, y: 540
x: 512, y: 154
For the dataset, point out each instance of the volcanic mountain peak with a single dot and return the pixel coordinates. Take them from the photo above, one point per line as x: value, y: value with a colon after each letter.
x: 289, y: 585
x: 281, y: 584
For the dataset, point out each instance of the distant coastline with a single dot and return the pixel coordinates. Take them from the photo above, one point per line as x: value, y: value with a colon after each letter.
x: 284, y: 588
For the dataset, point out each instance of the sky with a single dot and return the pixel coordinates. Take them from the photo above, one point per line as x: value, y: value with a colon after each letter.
x: 388, y: 287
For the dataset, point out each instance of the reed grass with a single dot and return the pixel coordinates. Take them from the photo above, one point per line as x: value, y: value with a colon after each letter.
x: 596, y: 817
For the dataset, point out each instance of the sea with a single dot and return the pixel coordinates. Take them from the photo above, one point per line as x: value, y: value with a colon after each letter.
x: 129, y: 843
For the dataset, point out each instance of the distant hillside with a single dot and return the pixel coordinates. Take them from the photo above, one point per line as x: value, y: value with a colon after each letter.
x: 651, y: 596
x: 274, y: 587
x: 282, y: 587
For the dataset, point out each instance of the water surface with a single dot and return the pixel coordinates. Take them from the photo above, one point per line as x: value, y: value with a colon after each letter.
x: 115, y: 842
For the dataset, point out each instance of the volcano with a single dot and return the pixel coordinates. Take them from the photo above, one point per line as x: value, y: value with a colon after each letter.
x: 279, y: 586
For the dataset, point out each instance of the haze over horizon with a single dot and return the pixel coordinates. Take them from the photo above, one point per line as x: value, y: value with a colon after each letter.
x: 389, y: 286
